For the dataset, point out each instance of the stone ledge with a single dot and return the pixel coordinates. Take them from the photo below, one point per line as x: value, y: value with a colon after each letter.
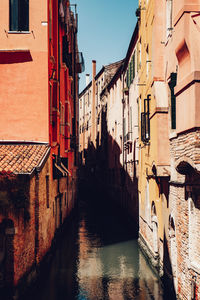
x: 154, y: 260
x: 192, y: 78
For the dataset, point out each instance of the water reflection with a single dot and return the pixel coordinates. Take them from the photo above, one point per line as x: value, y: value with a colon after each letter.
x: 112, y: 269
x: 98, y: 259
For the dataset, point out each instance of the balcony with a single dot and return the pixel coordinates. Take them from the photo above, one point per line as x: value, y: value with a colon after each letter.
x: 128, y: 138
x: 80, y: 65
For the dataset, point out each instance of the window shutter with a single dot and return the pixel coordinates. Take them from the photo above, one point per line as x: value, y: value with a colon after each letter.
x: 129, y: 74
x: 143, y: 126
x: 172, y: 85
x: 127, y: 77
x: 124, y: 126
x: 133, y: 65
x: 145, y: 121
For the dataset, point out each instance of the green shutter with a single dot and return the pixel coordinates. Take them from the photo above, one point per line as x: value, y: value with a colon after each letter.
x: 127, y: 77
x: 143, y: 126
x: 133, y: 65
x: 172, y: 85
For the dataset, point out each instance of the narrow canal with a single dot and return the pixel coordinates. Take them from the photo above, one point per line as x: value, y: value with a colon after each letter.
x: 98, y: 258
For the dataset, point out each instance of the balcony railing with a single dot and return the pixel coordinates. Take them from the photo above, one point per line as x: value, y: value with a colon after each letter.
x: 128, y: 138
x: 80, y: 63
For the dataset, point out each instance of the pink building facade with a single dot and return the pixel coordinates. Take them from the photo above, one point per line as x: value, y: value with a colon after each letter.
x: 183, y: 78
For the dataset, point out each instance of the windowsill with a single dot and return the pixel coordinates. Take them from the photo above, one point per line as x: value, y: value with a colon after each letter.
x: 18, y: 32
x: 172, y: 135
x: 194, y: 266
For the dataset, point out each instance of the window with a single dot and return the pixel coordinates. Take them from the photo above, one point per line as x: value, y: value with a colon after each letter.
x: 65, y: 50
x: 145, y: 121
x: 168, y: 17
x: 130, y: 122
x: 172, y: 85
x: 62, y: 120
x: 19, y: 15
x: 124, y: 127
x: 133, y: 66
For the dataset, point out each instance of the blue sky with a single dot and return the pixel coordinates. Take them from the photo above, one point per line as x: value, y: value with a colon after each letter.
x: 105, y: 30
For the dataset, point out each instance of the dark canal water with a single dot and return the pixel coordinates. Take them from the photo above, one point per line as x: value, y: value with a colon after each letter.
x: 98, y: 259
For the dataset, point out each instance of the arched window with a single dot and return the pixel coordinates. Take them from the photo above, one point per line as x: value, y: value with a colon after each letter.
x: 19, y: 15
x: 154, y: 221
x: 173, y: 249
x: 194, y: 216
x: 147, y: 204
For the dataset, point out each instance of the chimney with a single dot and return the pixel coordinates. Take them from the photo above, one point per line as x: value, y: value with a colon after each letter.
x: 93, y: 69
x: 93, y: 111
x: 87, y: 79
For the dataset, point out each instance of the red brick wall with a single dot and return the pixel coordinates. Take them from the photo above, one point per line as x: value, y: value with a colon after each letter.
x: 184, y: 147
x: 25, y: 237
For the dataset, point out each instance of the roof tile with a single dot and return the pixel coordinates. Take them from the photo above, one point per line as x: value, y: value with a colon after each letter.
x: 21, y: 158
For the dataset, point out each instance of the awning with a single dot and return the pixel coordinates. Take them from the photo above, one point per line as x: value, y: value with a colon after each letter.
x: 66, y: 169
x: 64, y: 173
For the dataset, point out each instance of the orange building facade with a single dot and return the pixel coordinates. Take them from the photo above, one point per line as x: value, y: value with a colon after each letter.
x: 38, y: 130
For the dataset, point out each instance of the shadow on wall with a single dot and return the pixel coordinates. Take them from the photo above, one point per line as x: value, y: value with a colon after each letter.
x: 103, y: 179
x: 13, y: 57
x: 6, y: 256
x: 168, y: 274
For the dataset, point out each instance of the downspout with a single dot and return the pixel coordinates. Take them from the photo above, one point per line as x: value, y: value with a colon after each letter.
x: 36, y: 213
x: 123, y: 118
x: 59, y: 71
x: 58, y: 187
x: 74, y: 81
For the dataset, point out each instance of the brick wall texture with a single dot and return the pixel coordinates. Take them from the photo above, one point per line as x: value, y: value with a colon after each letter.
x: 186, y: 270
x: 28, y: 241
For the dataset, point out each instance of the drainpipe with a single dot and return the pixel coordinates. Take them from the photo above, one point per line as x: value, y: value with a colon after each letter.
x: 59, y: 70
x: 75, y: 86
x: 93, y: 101
x: 36, y: 213
x: 123, y: 118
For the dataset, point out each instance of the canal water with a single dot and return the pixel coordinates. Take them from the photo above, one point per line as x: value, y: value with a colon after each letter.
x: 98, y: 258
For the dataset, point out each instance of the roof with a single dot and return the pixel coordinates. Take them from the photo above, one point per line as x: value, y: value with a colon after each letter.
x: 115, y: 77
x: 132, y: 44
x: 109, y: 70
x: 22, y: 158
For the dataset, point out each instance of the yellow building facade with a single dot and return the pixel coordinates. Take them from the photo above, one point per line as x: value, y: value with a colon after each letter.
x: 154, y: 159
